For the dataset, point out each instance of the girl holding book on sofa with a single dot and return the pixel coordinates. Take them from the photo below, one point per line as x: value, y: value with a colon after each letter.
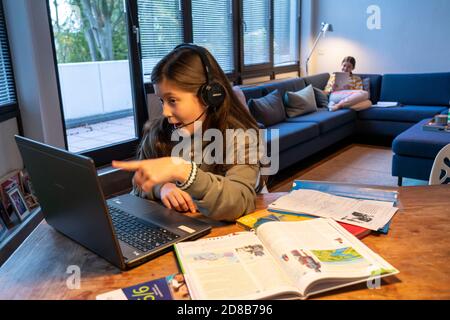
x: 351, y: 95
x: 195, y: 93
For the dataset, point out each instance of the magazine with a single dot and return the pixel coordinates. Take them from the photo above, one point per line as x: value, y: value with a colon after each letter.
x: 369, y: 214
x: 280, y: 260
x: 172, y: 287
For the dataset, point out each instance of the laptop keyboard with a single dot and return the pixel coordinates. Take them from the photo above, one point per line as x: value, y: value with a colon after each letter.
x: 138, y: 233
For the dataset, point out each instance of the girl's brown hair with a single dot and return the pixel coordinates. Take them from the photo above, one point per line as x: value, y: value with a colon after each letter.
x: 183, y: 67
x: 351, y: 60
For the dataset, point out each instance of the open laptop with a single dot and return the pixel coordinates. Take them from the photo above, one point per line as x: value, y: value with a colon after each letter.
x: 125, y: 230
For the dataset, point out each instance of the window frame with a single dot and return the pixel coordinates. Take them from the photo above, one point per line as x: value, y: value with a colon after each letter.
x: 241, y: 71
x: 268, y: 69
x: 103, y: 156
x: 140, y: 89
x: 255, y: 68
x: 297, y: 63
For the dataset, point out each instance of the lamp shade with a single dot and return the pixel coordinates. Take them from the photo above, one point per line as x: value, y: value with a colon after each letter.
x: 327, y: 27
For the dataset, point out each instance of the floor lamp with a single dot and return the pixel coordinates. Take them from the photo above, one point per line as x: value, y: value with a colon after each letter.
x: 323, y: 29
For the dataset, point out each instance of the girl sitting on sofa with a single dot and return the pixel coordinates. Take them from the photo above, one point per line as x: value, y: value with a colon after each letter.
x: 353, y: 96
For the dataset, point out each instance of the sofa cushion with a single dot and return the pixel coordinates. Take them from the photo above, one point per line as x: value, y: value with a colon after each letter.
x: 400, y: 114
x: 253, y: 92
x: 291, y: 134
x: 415, y: 142
x: 318, y: 80
x: 300, y: 102
x: 381, y: 128
x: 375, y: 85
x: 269, y: 109
x: 430, y: 89
x: 326, y: 120
x: 321, y: 98
x: 282, y: 86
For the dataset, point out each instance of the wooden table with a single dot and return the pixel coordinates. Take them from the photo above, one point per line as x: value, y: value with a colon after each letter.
x: 418, y: 244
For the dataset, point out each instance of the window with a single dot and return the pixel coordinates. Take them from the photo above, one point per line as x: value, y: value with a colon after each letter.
x: 91, y: 49
x: 268, y: 43
x: 256, y: 29
x: 8, y: 101
x: 161, y: 29
x: 212, y: 26
x: 286, y: 27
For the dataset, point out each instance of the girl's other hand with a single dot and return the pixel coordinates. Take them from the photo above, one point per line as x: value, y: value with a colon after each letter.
x: 174, y: 198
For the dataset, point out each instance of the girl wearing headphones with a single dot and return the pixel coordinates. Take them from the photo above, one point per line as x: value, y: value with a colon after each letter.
x: 193, y: 88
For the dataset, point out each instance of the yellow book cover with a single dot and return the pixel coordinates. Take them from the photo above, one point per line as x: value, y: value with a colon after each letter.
x: 255, y: 219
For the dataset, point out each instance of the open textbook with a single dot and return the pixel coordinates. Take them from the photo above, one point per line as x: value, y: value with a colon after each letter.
x: 282, y: 260
x: 370, y: 214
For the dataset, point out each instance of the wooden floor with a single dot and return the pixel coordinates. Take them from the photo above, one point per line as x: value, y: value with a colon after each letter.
x: 346, y: 162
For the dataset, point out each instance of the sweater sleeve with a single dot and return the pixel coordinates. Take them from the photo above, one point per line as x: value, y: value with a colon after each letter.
x: 226, y: 197
x: 358, y: 85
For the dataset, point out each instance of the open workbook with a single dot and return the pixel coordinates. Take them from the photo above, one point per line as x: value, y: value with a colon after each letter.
x: 282, y: 260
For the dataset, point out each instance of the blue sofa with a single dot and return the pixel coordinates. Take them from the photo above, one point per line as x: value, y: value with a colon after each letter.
x: 415, y: 150
x: 303, y: 136
x: 421, y: 97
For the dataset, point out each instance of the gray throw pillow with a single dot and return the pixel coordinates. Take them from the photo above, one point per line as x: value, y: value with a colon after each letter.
x: 300, y: 102
x: 321, y: 98
x: 268, y: 110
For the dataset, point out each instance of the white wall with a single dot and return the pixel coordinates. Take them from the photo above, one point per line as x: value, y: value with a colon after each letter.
x: 34, y: 70
x: 10, y: 159
x: 414, y: 36
x: 93, y: 88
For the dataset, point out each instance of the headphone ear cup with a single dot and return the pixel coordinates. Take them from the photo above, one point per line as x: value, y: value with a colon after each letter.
x: 213, y: 95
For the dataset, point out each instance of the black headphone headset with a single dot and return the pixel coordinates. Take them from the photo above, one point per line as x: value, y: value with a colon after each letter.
x: 212, y: 93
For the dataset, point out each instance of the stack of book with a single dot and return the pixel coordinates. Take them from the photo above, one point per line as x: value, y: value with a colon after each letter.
x: 290, y: 207
x: 433, y: 126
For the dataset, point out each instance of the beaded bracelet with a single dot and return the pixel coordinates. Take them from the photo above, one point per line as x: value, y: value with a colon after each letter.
x: 190, y: 180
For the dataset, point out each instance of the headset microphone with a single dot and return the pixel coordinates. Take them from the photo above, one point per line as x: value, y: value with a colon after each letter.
x: 175, y: 127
